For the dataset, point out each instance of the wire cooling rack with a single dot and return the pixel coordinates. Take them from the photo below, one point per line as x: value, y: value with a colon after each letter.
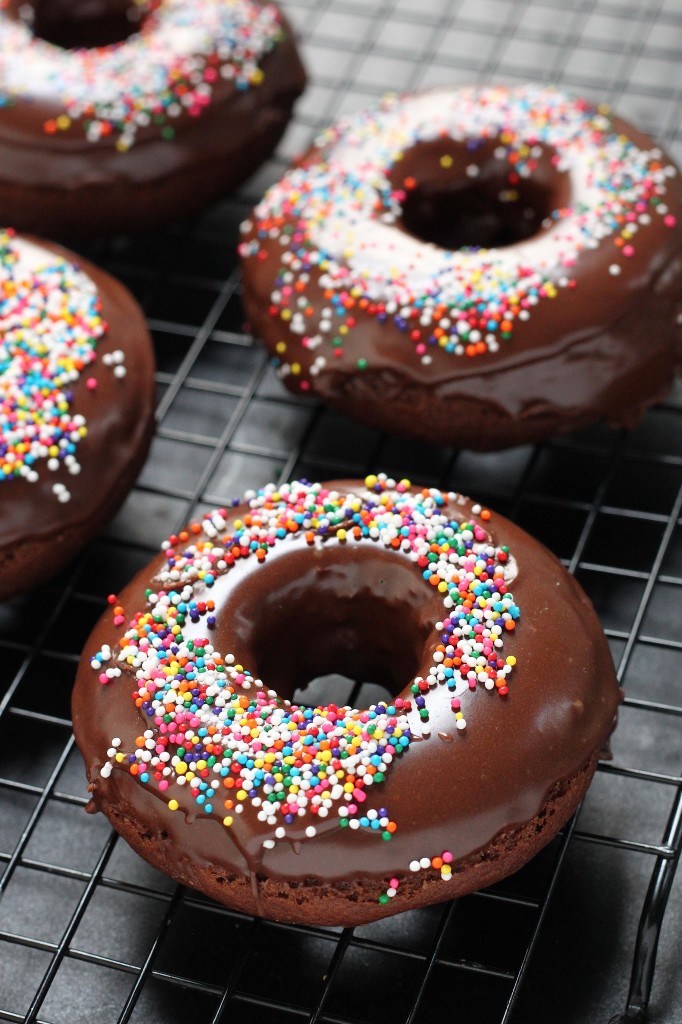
x: 91, y: 935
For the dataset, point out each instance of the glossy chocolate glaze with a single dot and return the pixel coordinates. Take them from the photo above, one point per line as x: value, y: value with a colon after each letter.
x: 362, y: 610
x: 38, y: 534
x: 606, y: 349
x: 64, y: 186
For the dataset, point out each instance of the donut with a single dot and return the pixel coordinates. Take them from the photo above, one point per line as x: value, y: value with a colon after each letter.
x: 195, y: 751
x: 102, y: 130
x: 76, y: 405
x: 481, y: 267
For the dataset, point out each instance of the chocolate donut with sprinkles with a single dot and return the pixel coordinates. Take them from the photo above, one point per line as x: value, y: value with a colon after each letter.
x: 479, y: 267
x: 76, y: 405
x: 505, y: 697
x: 119, y: 115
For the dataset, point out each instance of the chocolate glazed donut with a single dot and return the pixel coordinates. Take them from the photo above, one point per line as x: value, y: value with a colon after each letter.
x: 477, y: 267
x: 504, y: 702
x: 204, y: 94
x: 59, y: 485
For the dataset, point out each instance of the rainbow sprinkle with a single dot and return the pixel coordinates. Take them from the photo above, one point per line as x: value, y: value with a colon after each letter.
x: 218, y: 737
x: 50, y: 323
x: 169, y: 69
x: 341, y: 252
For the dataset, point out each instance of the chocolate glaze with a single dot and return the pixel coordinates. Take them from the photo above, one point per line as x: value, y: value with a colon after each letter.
x: 493, y: 794
x: 39, y: 535
x: 65, y: 186
x: 606, y: 349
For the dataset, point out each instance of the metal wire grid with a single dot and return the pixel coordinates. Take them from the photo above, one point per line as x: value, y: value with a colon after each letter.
x: 88, y: 933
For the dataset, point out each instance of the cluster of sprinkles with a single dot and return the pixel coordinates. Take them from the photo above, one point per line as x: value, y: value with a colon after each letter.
x: 168, y: 69
x: 217, y: 736
x: 334, y: 224
x: 50, y: 323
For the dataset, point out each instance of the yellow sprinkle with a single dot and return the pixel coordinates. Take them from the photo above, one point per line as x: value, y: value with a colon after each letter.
x: 173, y: 805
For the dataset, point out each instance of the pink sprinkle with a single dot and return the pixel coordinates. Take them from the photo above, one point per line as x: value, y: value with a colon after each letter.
x: 91, y: 383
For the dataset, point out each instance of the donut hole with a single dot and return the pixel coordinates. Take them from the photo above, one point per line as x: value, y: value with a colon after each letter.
x: 353, y: 611
x: 82, y: 24
x: 460, y: 196
x: 335, y: 688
